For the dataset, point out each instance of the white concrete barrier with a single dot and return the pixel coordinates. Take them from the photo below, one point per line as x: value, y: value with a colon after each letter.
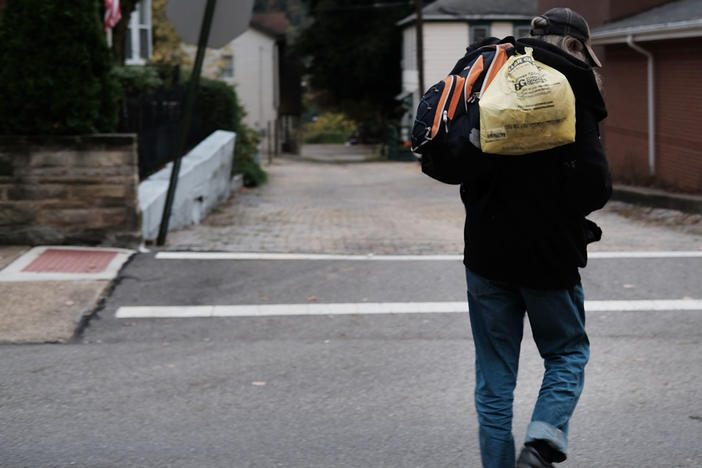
x: 204, y: 182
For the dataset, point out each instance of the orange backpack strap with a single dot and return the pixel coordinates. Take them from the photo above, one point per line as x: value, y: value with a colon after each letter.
x: 458, y: 89
x: 475, y: 70
x: 497, y: 62
x: 448, y: 85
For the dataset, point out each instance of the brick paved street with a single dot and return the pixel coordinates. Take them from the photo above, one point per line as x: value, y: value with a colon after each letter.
x: 307, y: 207
x: 386, y: 208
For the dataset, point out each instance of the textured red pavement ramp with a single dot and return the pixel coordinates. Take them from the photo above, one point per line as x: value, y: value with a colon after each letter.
x: 66, y: 263
x: 70, y: 261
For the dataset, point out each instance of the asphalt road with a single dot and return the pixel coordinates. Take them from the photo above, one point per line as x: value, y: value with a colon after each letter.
x: 356, y: 390
x: 340, y: 391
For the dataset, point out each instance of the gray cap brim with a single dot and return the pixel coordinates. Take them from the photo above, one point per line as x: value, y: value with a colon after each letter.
x: 592, y: 55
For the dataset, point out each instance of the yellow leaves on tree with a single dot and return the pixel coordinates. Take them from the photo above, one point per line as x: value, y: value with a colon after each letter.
x: 167, y: 42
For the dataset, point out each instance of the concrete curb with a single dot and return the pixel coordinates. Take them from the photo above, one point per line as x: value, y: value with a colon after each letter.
x: 337, y: 154
x: 339, y: 160
x: 657, y: 198
x: 85, y: 317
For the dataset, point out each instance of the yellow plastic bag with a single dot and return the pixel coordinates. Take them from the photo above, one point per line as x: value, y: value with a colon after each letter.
x: 528, y: 107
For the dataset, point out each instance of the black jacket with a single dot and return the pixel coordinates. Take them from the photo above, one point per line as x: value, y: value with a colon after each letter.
x: 525, y: 215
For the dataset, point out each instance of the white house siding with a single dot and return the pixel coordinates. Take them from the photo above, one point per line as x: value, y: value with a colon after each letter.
x: 255, y: 57
x: 444, y: 44
x: 255, y: 76
x: 501, y: 29
x: 409, y: 49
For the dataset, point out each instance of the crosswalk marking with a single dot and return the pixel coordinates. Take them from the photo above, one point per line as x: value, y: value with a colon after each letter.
x: 296, y: 256
x: 370, y: 308
x: 644, y: 254
x: 371, y: 257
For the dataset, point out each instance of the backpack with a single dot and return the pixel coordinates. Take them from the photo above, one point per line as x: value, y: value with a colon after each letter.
x: 452, y: 104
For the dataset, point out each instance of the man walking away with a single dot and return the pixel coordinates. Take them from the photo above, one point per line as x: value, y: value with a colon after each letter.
x: 525, y: 238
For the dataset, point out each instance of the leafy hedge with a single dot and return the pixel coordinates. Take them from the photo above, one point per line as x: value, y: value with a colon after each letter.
x: 220, y: 108
x: 55, y: 69
x: 329, y: 128
x: 245, y: 150
x: 217, y: 105
x: 135, y: 81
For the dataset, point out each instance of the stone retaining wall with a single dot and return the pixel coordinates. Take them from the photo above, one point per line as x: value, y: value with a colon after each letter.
x: 69, y: 190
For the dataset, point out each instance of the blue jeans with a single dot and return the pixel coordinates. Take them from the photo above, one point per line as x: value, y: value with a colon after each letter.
x: 557, y: 319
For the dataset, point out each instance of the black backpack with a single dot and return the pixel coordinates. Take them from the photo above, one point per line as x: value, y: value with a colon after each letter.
x: 448, y: 113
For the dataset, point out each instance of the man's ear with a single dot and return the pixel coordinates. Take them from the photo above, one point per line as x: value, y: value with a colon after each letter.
x: 573, y: 46
x: 576, y: 48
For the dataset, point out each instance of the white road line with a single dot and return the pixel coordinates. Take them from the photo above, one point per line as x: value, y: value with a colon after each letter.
x: 291, y: 256
x: 371, y: 257
x: 369, y: 308
x: 268, y: 310
x: 652, y: 254
x: 648, y: 305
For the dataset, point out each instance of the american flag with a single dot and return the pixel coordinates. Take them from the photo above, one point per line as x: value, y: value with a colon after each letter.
x: 112, y: 13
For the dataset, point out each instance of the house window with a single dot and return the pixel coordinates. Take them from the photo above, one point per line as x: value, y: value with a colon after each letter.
x: 226, y: 70
x: 138, y: 48
x: 522, y: 31
x: 479, y: 32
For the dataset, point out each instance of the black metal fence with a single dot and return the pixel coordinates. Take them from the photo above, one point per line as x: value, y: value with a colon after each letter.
x: 155, y: 118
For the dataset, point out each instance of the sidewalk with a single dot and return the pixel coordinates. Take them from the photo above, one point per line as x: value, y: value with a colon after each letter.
x: 339, y: 154
x: 48, y: 293
x: 657, y: 198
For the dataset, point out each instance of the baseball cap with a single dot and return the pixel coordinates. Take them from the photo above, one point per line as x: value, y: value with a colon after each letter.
x: 566, y: 22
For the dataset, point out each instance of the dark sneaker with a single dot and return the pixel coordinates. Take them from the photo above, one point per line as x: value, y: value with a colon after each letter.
x: 531, y: 458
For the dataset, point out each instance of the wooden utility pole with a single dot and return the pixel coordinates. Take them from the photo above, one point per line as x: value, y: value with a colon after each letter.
x: 418, y: 5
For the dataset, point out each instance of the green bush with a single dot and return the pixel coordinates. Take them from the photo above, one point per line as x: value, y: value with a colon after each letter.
x: 245, y: 151
x: 217, y: 105
x: 135, y: 81
x: 253, y: 174
x: 329, y: 128
x: 55, y: 69
x: 220, y: 109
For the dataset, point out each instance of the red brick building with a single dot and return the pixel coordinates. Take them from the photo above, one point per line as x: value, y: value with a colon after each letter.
x: 652, y: 59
